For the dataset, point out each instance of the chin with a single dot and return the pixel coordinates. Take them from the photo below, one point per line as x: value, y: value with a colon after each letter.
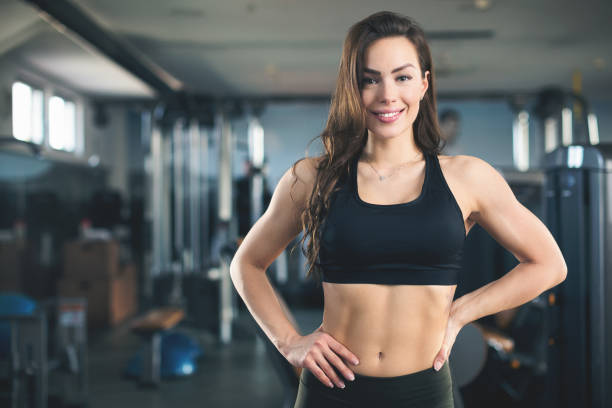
x: 387, y: 132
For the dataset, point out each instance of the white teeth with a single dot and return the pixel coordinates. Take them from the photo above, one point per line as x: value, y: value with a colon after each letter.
x: 388, y: 115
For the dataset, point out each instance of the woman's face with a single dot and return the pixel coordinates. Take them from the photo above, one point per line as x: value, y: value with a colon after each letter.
x: 392, y: 84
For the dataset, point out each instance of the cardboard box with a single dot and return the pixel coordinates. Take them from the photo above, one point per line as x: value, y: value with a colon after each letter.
x: 124, y: 302
x: 84, y: 259
x: 110, y: 300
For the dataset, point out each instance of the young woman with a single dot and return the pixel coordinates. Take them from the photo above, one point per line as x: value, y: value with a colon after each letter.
x: 386, y: 218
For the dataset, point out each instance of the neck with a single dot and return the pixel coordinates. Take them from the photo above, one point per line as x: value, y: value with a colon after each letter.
x: 388, y: 153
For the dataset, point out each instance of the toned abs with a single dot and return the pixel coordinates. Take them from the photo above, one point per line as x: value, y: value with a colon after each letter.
x: 393, y: 329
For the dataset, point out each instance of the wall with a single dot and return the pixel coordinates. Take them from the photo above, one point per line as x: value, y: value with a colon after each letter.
x: 485, y: 132
x: 108, y: 143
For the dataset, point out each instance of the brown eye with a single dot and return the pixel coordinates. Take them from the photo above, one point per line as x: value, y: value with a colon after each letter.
x: 365, y: 81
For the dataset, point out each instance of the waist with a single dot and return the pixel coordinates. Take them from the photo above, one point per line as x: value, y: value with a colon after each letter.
x: 392, y: 330
x: 390, y: 353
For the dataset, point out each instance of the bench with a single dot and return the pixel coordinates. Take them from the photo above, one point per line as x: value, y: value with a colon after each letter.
x: 150, y: 327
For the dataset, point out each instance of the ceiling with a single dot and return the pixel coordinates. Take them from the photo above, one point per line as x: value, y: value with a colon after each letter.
x: 291, y: 47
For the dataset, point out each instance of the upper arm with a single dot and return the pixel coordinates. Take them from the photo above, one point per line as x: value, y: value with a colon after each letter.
x: 510, y: 223
x: 281, y: 222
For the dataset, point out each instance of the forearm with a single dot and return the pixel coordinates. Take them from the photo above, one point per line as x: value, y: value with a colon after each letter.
x: 260, y: 298
x: 520, y: 285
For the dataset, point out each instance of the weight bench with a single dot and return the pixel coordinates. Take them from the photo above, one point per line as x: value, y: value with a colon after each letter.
x: 150, y: 327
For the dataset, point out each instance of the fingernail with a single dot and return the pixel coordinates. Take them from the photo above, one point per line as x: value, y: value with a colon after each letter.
x: 351, y: 377
x: 330, y: 385
x: 355, y: 362
x: 437, y: 365
x: 342, y: 385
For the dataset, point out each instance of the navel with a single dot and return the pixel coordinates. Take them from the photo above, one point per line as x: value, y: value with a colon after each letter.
x: 380, y: 355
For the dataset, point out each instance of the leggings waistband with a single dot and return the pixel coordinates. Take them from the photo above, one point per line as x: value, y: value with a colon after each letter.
x: 425, y: 385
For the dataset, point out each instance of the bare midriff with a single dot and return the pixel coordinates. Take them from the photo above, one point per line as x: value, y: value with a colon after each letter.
x: 393, y: 329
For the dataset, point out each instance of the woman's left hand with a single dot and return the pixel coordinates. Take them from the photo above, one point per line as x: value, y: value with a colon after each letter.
x: 453, y: 327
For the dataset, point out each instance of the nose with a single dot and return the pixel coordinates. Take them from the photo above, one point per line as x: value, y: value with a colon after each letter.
x: 388, y: 92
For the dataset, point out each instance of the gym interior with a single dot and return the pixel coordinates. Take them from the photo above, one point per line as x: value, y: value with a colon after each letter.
x: 140, y: 141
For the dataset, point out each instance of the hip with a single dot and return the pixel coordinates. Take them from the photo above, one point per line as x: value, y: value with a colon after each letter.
x: 425, y: 388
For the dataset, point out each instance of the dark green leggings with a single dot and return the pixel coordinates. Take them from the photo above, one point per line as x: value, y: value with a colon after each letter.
x: 423, y: 389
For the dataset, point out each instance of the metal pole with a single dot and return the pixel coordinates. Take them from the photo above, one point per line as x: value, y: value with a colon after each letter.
x: 195, y: 193
x: 205, y: 194
x: 178, y: 167
x: 157, y: 187
x: 227, y: 294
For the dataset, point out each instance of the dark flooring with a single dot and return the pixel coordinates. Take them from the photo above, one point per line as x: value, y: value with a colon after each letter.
x: 238, y: 374
x: 242, y: 374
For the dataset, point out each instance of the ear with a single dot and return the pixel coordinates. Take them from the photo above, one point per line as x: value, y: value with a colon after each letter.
x: 425, y: 83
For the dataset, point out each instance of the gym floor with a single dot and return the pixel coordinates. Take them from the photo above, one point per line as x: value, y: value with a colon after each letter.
x: 234, y: 375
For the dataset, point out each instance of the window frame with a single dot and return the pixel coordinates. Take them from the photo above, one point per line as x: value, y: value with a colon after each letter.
x: 51, y: 89
x: 65, y: 99
x: 34, y: 86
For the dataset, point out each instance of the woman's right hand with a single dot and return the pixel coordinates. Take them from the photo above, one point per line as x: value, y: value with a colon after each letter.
x: 316, y: 351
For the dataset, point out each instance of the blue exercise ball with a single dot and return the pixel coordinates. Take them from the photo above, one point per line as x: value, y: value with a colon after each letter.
x: 179, y: 353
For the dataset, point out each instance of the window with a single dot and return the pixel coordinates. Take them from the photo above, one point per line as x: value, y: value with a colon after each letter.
x: 27, y: 113
x: 62, y: 124
x: 45, y: 119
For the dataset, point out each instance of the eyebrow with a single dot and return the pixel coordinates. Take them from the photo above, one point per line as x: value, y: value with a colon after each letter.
x: 373, y: 71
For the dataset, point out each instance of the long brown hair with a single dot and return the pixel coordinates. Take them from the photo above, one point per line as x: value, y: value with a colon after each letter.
x: 345, y: 133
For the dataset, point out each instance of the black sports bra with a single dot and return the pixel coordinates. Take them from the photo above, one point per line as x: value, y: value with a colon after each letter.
x: 415, y: 243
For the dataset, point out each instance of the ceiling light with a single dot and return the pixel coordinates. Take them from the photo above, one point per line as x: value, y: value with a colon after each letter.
x: 599, y: 63
x: 482, y: 4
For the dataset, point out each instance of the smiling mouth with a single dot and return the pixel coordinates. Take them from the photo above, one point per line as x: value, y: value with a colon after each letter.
x: 388, y: 115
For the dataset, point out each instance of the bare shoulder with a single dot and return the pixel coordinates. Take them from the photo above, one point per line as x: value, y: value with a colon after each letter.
x: 469, y: 169
x: 305, y: 169
x: 457, y: 162
x: 459, y: 169
x: 475, y: 181
x: 477, y: 172
x: 487, y: 186
x: 301, y: 178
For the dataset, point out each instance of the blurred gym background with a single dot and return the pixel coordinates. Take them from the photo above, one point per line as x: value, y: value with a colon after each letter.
x: 139, y: 141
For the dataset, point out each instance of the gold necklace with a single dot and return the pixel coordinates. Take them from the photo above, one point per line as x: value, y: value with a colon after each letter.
x: 381, y: 177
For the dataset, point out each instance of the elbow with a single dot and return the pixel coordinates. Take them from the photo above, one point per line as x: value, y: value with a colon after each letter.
x: 561, y: 272
x: 234, y: 266
x: 239, y: 266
